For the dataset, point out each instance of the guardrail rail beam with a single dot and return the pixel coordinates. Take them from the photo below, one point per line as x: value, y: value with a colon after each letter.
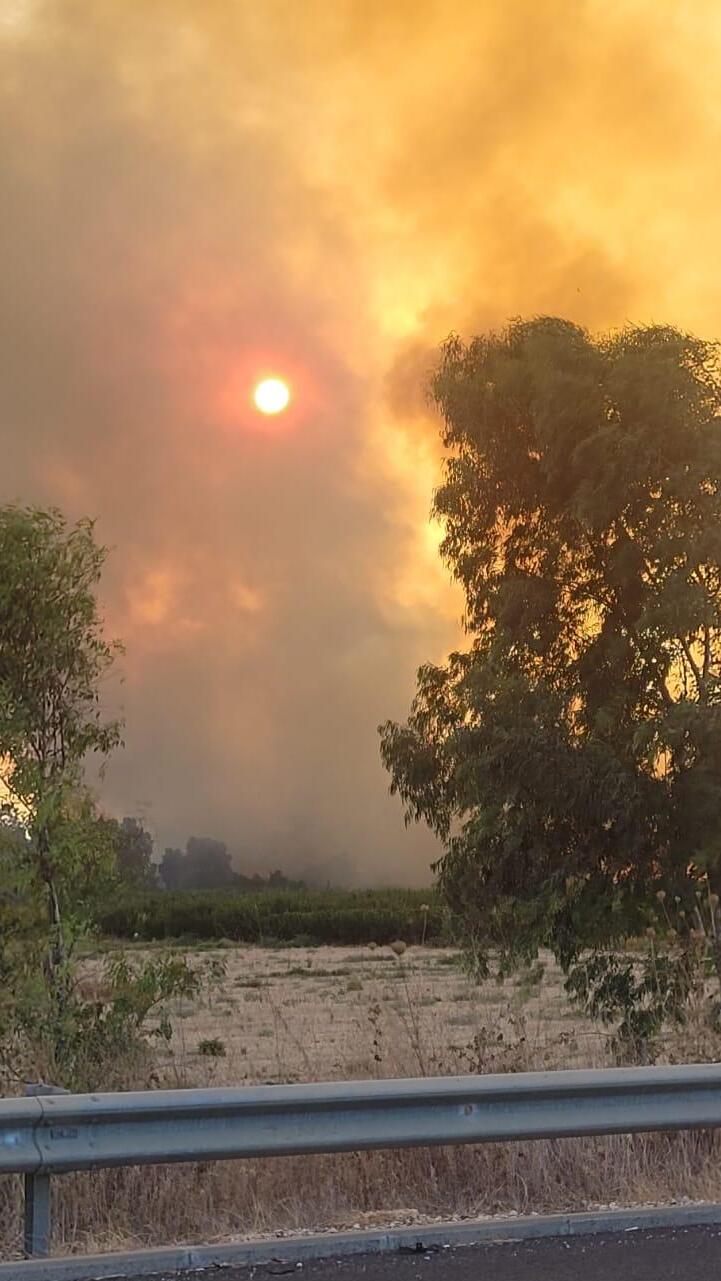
x: 53, y: 1131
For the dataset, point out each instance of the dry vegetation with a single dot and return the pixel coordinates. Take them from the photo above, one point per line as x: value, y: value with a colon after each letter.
x: 298, y: 1014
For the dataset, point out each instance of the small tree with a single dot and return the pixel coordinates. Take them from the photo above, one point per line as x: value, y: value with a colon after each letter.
x: 53, y: 658
x: 570, y: 760
x: 57, y: 857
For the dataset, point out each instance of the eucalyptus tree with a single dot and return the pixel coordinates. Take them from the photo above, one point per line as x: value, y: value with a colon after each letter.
x: 570, y: 757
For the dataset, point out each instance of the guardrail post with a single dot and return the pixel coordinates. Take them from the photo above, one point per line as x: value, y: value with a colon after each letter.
x: 38, y: 1215
x: 38, y: 1197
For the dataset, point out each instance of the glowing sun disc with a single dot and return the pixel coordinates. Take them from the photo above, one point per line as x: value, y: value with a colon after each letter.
x: 271, y: 396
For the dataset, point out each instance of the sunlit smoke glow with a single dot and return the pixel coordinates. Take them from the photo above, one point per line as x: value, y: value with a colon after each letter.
x: 195, y: 194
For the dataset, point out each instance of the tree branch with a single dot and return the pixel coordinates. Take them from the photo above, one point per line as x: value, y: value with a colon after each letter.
x: 698, y: 675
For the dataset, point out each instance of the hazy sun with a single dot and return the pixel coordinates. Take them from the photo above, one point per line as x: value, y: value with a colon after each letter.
x: 271, y: 396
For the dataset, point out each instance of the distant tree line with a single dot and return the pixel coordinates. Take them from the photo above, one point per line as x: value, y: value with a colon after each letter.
x: 205, y: 863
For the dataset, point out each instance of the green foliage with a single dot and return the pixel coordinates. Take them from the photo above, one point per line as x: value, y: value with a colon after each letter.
x: 56, y: 857
x: 638, y: 998
x: 315, y: 917
x: 641, y: 995
x: 106, y: 1025
x: 570, y: 760
x: 52, y: 651
x: 53, y: 658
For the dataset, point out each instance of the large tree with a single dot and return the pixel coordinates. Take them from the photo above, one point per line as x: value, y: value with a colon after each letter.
x: 570, y: 758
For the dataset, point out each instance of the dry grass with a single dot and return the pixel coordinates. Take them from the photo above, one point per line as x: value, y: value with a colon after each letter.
x: 300, y: 1014
x: 296, y: 1014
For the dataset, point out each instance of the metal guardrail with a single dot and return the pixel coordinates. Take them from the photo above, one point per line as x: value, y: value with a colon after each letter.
x: 53, y: 1133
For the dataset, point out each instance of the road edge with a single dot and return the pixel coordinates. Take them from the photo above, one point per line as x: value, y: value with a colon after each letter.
x: 184, y: 1258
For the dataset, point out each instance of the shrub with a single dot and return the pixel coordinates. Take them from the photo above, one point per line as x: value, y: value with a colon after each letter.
x: 212, y: 1048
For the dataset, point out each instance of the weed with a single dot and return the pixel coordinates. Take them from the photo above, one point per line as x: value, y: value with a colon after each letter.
x: 212, y: 1048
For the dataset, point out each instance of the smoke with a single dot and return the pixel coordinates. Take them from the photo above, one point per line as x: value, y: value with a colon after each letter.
x: 196, y: 194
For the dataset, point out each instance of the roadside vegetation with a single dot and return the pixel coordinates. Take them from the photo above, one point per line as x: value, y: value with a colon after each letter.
x: 569, y: 761
x: 57, y: 858
x: 323, y: 1013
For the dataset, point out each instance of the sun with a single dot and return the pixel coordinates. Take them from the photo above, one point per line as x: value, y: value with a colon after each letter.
x: 271, y: 396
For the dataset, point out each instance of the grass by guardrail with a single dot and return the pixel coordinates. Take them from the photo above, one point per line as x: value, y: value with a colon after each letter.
x: 295, y: 1016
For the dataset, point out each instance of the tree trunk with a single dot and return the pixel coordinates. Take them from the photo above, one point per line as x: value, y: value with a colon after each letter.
x: 56, y: 958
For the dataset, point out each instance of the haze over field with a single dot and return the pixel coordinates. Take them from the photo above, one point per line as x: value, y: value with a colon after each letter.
x: 198, y: 195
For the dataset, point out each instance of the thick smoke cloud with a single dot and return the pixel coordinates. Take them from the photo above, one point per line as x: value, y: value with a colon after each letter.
x: 195, y: 193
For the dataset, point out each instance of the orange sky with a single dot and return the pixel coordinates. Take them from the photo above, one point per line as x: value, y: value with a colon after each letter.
x: 196, y: 194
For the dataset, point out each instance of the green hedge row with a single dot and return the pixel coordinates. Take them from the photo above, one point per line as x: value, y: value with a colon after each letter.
x: 333, y: 916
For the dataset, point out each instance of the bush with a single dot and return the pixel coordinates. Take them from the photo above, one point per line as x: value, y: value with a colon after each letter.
x: 104, y: 1034
x: 212, y: 1048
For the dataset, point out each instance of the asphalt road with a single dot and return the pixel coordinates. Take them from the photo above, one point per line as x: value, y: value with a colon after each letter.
x: 684, y: 1254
